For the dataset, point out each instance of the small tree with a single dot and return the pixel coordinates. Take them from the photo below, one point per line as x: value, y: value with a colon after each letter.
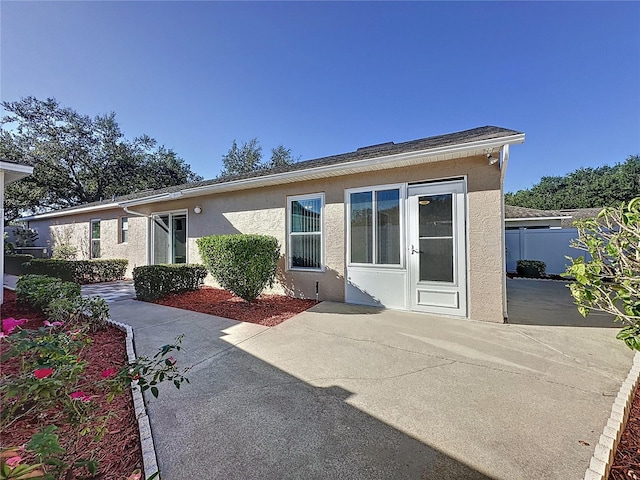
x: 281, y: 156
x: 243, y: 264
x: 610, y: 281
x: 243, y: 159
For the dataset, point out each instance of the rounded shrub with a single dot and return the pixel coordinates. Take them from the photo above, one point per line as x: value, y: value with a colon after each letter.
x: 531, y: 268
x: 242, y: 264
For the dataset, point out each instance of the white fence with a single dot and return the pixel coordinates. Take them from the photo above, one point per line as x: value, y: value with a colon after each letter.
x: 548, y: 245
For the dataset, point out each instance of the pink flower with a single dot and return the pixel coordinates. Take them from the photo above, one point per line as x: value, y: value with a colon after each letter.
x: 108, y: 372
x: 47, y: 323
x: 13, y: 462
x: 80, y: 395
x: 171, y: 360
x: 10, y: 324
x: 41, y: 373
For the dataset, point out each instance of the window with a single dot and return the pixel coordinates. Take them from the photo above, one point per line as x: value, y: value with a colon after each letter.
x: 124, y: 229
x: 95, y: 238
x: 305, y: 215
x: 374, y: 226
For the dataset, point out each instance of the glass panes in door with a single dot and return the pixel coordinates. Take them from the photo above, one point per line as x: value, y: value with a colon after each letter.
x: 161, y: 239
x: 179, y: 224
x: 435, y: 237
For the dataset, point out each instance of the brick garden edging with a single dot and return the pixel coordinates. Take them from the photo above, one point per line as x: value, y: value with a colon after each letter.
x: 149, y: 461
x: 602, y: 459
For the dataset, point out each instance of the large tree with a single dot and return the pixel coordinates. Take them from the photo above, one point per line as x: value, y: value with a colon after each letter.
x: 247, y: 158
x: 584, y: 188
x: 78, y: 159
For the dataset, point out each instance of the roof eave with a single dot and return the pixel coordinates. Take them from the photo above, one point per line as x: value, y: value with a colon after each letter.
x: 525, y: 219
x: 64, y: 213
x: 449, y: 152
x: 15, y: 171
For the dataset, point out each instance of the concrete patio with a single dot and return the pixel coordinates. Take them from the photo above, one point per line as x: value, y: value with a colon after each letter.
x: 351, y: 392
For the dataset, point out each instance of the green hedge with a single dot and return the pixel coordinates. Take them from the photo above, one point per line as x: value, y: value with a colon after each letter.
x: 243, y: 264
x: 531, y: 268
x: 79, y: 271
x: 156, y: 281
x: 13, y: 263
x: 38, y: 291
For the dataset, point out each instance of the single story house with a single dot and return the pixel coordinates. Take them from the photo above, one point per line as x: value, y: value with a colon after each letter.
x: 9, y: 172
x: 417, y: 225
x: 521, y: 217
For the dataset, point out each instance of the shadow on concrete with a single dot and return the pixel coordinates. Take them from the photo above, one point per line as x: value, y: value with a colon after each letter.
x: 243, y: 418
x: 538, y: 302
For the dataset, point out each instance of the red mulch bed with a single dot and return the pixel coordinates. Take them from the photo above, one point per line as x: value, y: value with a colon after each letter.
x: 118, y: 452
x: 267, y: 310
x: 626, y: 463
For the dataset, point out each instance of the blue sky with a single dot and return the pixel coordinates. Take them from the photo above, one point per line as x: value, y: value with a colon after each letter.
x: 327, y: 78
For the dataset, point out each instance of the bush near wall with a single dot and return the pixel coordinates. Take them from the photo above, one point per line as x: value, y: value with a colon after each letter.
x: 243, y: 264
x: 37, y: 291
x: 79, y: 271
x: 13, y: 263
x: 156, y: 281
x: 531, y: 268
x: 61, y: 301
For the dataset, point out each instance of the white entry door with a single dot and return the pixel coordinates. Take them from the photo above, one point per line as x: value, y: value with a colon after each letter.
x: 437, y: 248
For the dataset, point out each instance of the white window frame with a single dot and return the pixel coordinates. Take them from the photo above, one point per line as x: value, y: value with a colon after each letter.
x: 402, y: 187
x: 290, y: 200
x: 121, y: 229
x: 91, y: 239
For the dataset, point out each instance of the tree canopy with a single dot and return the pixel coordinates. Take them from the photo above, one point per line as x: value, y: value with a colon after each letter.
x: 78, y: 159
x: 584, y: 188
x: 247, y: 157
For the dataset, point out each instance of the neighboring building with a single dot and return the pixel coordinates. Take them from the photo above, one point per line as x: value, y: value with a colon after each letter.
x: 9, y: 172
x: 521, y: 217
x: 576, y: 214
x: 544, y: 235
x: 416, y: 225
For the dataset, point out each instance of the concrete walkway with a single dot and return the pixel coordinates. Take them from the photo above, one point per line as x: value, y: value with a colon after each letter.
x: 110, y: 291
x: 342, y: 392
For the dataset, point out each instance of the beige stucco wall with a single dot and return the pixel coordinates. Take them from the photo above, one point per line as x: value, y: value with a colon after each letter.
x: 76, y: 229
x: 263, y: 211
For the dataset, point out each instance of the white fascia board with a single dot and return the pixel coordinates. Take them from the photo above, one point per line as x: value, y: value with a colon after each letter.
x: 151, y: 199
x: 75, y: 211
x: 364, y: 164
x: 15, y: 167
x: 527, y: 219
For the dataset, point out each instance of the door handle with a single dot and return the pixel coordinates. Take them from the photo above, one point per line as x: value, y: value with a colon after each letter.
x: 413, y: 250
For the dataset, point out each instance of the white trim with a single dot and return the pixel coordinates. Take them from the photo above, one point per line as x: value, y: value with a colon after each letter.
x: 309, y: 196
x: 15, y: 171
x: 402, y: 187
x: 525, y: 219
x: 16, y: 167
x: 64, y: 213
